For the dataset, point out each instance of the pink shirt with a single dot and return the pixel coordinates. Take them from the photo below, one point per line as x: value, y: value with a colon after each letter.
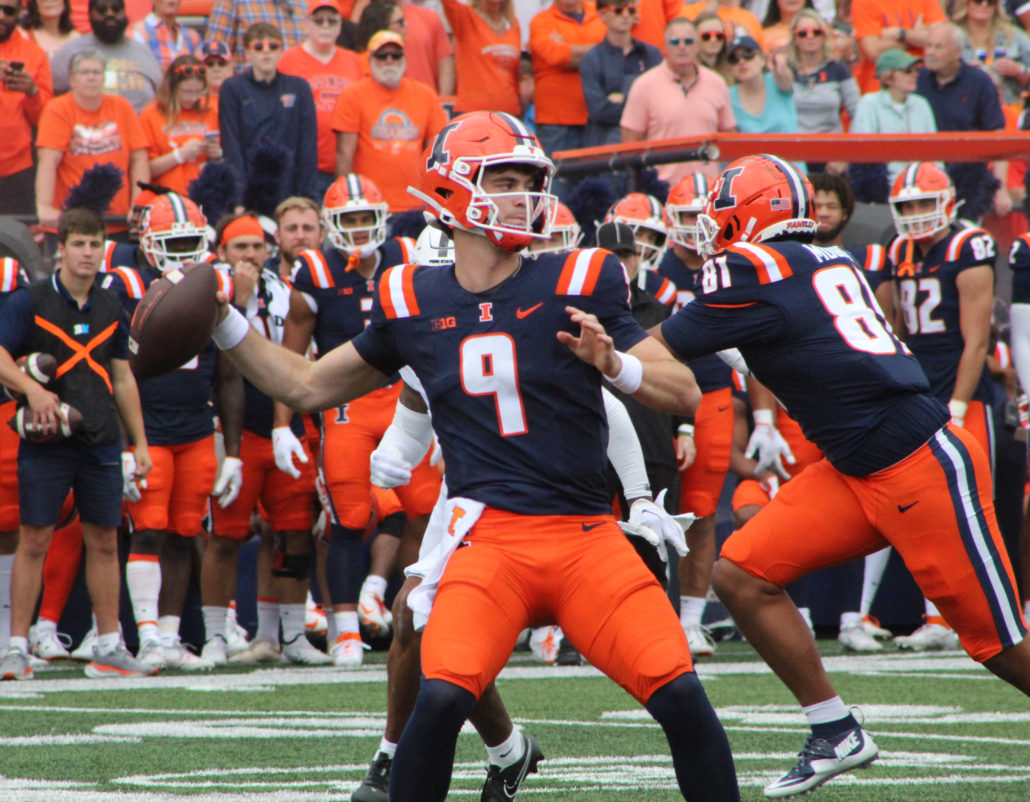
x: 658, y: 108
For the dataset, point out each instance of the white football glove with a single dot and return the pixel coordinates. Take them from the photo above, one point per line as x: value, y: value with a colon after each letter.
x: 286, y: 446
x: 768, y: 443
x: 229, y: 481
x: 130, y: 488
x: 389, y: 468
x: 649, y: 520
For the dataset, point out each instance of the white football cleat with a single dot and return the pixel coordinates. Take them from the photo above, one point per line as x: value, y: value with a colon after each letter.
x: 300, y: 651
x: 151, y: 654
x: 854, y: 638
x: 544, y: 643
x: 821, y: 759
x: 216, y: 651
x: 315, y: 622
x: 930, y: 637
x: 84, y: 652
x: 235, y: 637
x: 373, y: 614
x: 178, y: 656
x: 872, y: 626
x: 348, y: 651
x: 49, y: 644
x: 699, y: 641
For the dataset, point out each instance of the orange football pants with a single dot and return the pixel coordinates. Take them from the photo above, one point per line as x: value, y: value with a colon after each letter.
x: 701, y: 483
x: 350, y: 435
x: 178, y: 491
x: 9, y: 517
x: 579, y: 572
x: 935, y: 507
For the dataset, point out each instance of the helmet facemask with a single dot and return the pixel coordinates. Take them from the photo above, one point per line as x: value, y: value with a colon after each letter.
x: 169, y: 250
x: 346, y: 238
x: 924, y: 224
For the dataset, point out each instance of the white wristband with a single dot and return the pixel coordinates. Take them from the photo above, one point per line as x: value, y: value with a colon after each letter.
x: 686, y: 429
x: 958, y: 408
x: 178, y: 156
x: 231, y: 331
x: 630, y: 376
x: 762, y: 417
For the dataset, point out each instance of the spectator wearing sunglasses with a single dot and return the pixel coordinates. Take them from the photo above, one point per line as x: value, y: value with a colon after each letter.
x: 890, y: 25
x: 262, y: 109
x: 994, y: 43
x: 23, y: 93
x: 161, y: 32
x: 181, y: 126
x: 894, y: 108
x: 713, y: 36
x: 823, y: 86
x: 328, y: 69
x: 678, y: 98
x: 217, y: 58
x: 740, y: 21
x: 385, y: 121
x: 609, y: 69
x: 131, y: 72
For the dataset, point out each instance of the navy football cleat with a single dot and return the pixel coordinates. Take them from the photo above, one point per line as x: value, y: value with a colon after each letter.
x: 503, y: 784
x: 822, y: 759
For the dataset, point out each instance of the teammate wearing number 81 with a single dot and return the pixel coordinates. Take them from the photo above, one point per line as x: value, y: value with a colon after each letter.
x: 896, y: 471
x: 511, y: 354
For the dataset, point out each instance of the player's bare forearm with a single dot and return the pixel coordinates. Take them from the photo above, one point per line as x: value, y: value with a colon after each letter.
x: 976, y: 302
x: 297, y: 331
x: 668, y: 385
x: 230, y: 399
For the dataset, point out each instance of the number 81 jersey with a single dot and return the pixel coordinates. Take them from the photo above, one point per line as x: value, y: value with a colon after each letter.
x: 519, y: 416
x: 810, y: 329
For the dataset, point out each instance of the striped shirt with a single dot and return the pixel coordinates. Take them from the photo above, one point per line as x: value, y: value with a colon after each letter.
x: 230, y: 19
x: 154, y: 32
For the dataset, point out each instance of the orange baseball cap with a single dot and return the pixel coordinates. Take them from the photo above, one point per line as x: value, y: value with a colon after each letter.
x: 314, y: 5
x: 382, y: 38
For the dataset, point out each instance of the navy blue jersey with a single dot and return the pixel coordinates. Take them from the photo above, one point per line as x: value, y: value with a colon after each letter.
x: 340, y: 298
x: 806, y: 322
x: 177, y: 406
x: 519, y: 416
x: 875, y: 263
x: 657, y: 285
x: 710, y: 372
x: 930, y: 301
x: 1019, y: 263
x: 119, y: 254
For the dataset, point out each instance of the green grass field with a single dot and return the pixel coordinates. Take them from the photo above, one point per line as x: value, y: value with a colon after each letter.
x: 948, y: 732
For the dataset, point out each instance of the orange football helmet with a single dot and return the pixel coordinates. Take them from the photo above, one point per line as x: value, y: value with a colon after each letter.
x: 643, y: 212
x: 565, y: 234
x: 452, y: 183
x: 686, y: 198
x: 923, y: 181
x: 173, y: 232
x: 757, y: 198
x: 349, y: 194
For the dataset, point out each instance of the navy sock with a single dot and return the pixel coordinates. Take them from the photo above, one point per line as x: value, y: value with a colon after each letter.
x: 834, y: 729
x: 422, y: 766
x: 700, y: 750
x: 345, y: 568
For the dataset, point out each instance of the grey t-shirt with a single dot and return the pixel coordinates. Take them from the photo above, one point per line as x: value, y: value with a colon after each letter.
x: 132, y: 71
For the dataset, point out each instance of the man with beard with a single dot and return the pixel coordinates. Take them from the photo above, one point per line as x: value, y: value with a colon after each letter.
x: 25, y: 87
x: 262, y: 109
x: 384, y: 121
x: 131, y: 70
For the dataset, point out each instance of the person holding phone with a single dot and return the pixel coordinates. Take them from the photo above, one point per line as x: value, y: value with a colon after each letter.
x: 181, y: 125
x: 25, y: 87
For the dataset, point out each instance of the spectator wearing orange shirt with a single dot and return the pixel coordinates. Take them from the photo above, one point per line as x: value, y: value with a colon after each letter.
x: 385, y: 121
x: 428, y: 49
x: 486, y: 36
x: 559, y: 37
x: 652, y: 17
x: 83, y: 128
x: 882, y: 25
x: 329, y: 70
x: 181, y: 126
x: 25, y: 89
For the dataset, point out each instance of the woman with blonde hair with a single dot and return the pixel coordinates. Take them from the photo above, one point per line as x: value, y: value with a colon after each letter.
x: 713, y: 41
x: 181, y: 125
x: 823, y: 86
x: 486, y: 55
x: 996, y: 44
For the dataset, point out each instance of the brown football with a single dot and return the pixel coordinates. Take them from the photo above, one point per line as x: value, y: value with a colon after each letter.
x: 69, y: 419
x: 174, y: 321
x: 41, y: 367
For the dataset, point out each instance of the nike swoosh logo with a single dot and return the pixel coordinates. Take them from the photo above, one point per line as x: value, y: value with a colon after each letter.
x: 723, y: 409
x: 521, y: 313
x: 588, y: 527
x: 507, y: 753
x: 907, y: 507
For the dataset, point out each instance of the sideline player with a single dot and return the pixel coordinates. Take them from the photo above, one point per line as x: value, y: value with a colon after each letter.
x: 794, y: 309
x: 650, y: 225
x: 514, y: 385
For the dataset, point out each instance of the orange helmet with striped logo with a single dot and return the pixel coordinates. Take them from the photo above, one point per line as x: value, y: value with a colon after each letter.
x: 645, y: 215
x: 755, y: 199
x: 686, y: 201
x: 172, y: 232
x: 565, y: 234
x: 347, y: 197
x: 919, y: 182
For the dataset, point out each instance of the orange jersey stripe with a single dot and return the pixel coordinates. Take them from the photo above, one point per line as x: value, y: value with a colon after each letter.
x: 768, y: 263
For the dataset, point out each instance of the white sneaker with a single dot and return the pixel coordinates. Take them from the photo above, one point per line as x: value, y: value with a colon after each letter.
x: 235, y: 638
x: 315, y: 622
x: 872, y: 626
x: 348, y: 651
x: 699, y: 641
x: 84, y: 652
x: 178, y: 656
x: 258, y: 651
x: 300, y: 651
x: 216, y: 651
x: 544, y: 642
x: 373, y: 614
x: 151, y: 654
x: 854, y: 638
x: 929, y: 637
x: 49, y: 644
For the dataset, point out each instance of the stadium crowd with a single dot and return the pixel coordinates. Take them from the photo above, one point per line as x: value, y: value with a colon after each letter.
x: 278, y: 141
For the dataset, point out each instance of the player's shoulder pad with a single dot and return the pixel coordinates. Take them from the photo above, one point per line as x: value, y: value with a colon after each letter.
x: 397, y: 292
x: 12, y: 276
x: 583, y: 268
x: 1019, y: 255
x: 755, y: 263
x: 311, y: 268
x: 125, y: 281
x: 971, y: 246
